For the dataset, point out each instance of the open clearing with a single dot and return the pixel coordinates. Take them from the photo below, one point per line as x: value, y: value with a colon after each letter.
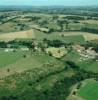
x: 17, y: 35
x: 57, y: 52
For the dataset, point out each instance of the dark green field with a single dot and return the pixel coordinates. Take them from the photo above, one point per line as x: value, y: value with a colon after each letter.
x: 89, y: 90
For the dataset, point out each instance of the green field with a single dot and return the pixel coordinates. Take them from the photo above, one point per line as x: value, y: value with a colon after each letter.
x: 57, y: 36
x: 89, y: 91
x: 19, y: 63
x: 7, y: 58
x: 89, y: 65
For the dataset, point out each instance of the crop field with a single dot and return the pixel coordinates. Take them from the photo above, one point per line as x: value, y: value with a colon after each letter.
x: 89, y: 90
x: 75, y: 37
x: 89, y: 36
x: 17, y: 35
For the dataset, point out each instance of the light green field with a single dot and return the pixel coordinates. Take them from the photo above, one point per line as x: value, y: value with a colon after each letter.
x: 17, y: 63
x: 57, y: 52
x: 53, y: 26
x: 73, y: 56
x: 89, y: 91
x: 74, y: 26
x: 17, y: 35
x: 7, y: 58
x: 89, y: 65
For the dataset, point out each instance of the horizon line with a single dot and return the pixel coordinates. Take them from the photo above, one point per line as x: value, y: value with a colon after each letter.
x: 51, y: 5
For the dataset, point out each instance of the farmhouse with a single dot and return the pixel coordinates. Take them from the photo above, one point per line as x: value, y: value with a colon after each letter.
x: 24, y: 49
x: 9, y: 50
x: 78, y: 48
x: 86, y: 54
x: 89, y: 53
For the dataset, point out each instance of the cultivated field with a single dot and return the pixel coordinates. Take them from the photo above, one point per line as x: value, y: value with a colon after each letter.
x: 17, y: 35
x: 89, y: 36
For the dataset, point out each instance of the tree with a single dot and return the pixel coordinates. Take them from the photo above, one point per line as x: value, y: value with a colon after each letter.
x: 62, y: 22
x: 55, y: 17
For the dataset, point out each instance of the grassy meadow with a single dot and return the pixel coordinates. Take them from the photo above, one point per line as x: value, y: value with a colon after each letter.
x: 89, y: 90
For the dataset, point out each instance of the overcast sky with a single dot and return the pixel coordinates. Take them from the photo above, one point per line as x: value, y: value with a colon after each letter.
x: 49, y: 2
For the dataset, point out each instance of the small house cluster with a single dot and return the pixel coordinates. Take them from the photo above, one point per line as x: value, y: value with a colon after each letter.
x: 85, y: 53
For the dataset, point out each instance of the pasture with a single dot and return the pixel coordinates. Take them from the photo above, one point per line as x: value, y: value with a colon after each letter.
x: 89, y: 65
x: 7, y: 58
x: 18, y: 63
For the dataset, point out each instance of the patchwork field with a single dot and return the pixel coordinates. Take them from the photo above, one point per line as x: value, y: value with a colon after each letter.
x: 69, y: 37
x: 75, y: 37
x: 87, y: 36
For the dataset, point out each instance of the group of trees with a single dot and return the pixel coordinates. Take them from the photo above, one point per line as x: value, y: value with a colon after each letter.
x: 16, y: 44
x: 3, y: 44
x: 53, y: 43
x: 91, y: 30
x: 75, y: 17
x: 93, y: 44
x: 61, y: 24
